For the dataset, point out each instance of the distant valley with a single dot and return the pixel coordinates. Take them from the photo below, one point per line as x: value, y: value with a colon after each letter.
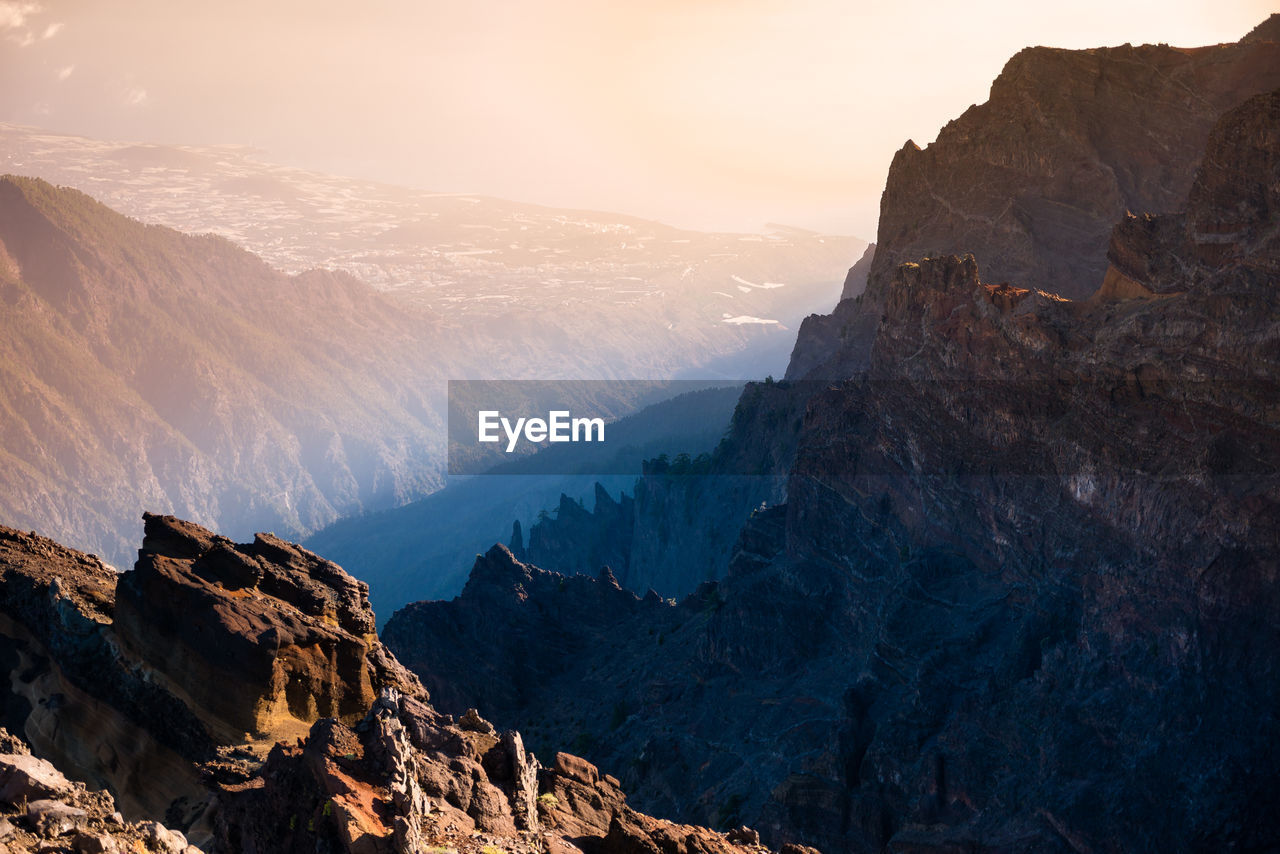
x: 288, y: 390
x: 581, y: 294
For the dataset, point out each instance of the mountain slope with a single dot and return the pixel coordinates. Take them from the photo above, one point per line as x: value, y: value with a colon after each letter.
x: 546, y: 281
x: 146, y: 368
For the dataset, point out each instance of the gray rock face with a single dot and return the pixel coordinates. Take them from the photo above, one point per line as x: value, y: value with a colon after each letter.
x: 24, y: 777
x: 1022, y: 594
x: 41, y: 810
x: 1032, y: 181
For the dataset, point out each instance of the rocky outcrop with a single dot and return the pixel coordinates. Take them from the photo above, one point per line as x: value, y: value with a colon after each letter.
x: 406, y: 779
x: 238, y: 692
x: 1032, y: 181
x: 513, y: 649
x: 1022, y: 594
x: 97, y: 716
x: 41, y: 810
x: 820, y: 334
x: 576, y: 540
x: 137, y: 682
x: 262, y: 638
x: 856, y: 281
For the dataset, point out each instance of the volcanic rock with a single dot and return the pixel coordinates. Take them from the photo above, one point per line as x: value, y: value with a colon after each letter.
x: 1032, y: 181
x: 1022, y: 594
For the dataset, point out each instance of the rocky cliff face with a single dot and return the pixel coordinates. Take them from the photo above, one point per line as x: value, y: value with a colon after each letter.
x: 238, y: 693
x: 1023, y: 592
x: 138, y: 682
x: 680, y: 528
x: 1032, y: 181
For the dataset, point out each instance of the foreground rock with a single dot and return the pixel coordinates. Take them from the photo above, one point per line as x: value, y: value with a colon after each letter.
x: 263, y: 638
x: 41, y: 810
x: 238, y: 693
x: 133, y: 682
x: 406, y: 779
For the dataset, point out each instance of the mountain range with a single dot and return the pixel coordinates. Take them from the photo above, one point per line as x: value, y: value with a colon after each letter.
x: 993, y: 568
x: 149, y: 369
x: 1020, y: 594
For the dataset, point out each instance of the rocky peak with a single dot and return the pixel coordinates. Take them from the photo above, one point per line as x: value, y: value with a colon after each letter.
x: 1267, y: 31
x: 1032, y: 181
x: 497, y: 569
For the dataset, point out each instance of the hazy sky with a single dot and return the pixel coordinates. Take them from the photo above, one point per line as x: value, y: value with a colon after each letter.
x: 705, y: 113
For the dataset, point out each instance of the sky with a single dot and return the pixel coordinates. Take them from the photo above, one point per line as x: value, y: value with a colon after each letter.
x: 710, y: 114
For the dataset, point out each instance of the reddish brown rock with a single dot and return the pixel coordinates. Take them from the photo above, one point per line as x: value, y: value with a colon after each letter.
x: 264, y: 637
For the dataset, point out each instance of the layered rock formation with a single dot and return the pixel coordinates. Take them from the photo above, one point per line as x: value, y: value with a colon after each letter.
x: 238, y: 693
x: 261, y: 638
x: 136, y: 682
x: 1023, y: 592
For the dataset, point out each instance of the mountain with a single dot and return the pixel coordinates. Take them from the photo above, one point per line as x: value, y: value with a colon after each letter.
x: 571, y: 294
x: 235, y: 697
x: 1032, y: 181
x: 148, y: 369
x: 142, y: 367
x: 1022, y: 592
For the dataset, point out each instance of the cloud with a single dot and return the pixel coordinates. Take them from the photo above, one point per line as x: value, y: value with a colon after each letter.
x: 13, y: 15
x: 14, y: 18
x: 52, y: 30
x: 135, y: 97
x: 65, y: 72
